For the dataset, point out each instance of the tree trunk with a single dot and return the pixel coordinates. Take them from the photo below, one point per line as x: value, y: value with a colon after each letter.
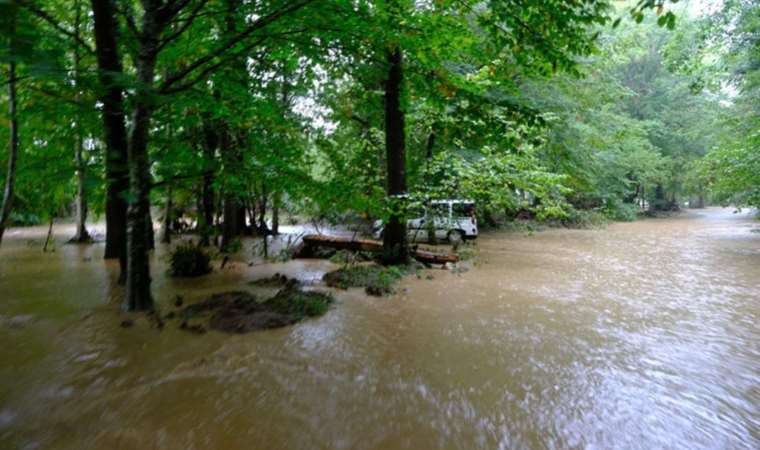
x: 430, y: 222
x: 234, y: 207
x: 276, y: 199
x: 49, y: 233
x: 166, y: 226
x: 10, y: 177
x: 110, y: 95
x: 138, y: 295
x: 263, y: 228
x: 81, y: 199
x: 231, y: 220
x: 82, y: 235
x: 150, y: 234
x: 395, y: 245
x: 206, y: 222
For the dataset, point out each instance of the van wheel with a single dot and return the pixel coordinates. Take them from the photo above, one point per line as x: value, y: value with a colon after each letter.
x: 455, y: 237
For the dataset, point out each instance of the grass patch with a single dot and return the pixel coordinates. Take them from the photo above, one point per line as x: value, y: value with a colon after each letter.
x: 376, y: 280
x: 241, y: 312
x: 300, y: 304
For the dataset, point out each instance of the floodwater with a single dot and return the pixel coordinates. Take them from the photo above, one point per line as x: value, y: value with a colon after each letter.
x: 641, y: 335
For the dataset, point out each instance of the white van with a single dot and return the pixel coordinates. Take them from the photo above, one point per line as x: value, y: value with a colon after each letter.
x: 452, y: 219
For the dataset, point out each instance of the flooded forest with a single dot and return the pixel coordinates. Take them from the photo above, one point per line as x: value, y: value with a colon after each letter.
x: 379, y: 224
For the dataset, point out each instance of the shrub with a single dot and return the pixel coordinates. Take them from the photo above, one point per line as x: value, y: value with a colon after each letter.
x: 620, y: 211
x: 586, y: 218
x: 189, y: 260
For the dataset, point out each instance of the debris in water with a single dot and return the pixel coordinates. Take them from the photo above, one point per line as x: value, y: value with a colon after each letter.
x: 275, y: 280
x: 194, y: 328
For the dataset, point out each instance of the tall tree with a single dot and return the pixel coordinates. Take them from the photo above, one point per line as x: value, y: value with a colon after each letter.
x: 13, y: 143
x: 81, y: 235
x: 395, y: 246
x: 159, y: 27
x: 111, y: 76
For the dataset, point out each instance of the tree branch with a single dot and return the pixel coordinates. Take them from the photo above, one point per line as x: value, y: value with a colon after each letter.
x: 42, y: 14
x: 231, y: 42
x: 182, y: 28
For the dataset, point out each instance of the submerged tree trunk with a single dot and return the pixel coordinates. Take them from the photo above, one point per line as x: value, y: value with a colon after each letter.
x: 395, y: 245
x: 10, y: 177
x: 82, y: 235
x: 117, y: 175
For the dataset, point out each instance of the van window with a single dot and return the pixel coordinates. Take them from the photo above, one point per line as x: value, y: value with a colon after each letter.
x: 463, y: 209
x: 440, y: 210
x: 416, y: 212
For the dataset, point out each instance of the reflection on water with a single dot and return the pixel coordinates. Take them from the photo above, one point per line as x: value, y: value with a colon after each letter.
x: 643, y: 335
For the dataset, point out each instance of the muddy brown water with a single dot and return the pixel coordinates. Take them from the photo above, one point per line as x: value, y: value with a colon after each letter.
x: 642, y: 335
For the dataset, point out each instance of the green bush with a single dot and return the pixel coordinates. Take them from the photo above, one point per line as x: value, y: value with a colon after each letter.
x: 586, y: 218
x: 22, y: 219
x: 615, y: 209
x: 189, y: 260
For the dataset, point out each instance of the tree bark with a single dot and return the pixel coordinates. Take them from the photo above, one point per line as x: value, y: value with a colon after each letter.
x: 276, y: 200
x: 49, y: 233
x: 234, y: 207
x: 117, y: 175
x: 138, y: 295
x: 263, y: 229
x: 82, y: 235
x: 206, y: 218
x: 395, y: 245
x: 166, y: 225
x: 430, y: 222
x: 10, y: 177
